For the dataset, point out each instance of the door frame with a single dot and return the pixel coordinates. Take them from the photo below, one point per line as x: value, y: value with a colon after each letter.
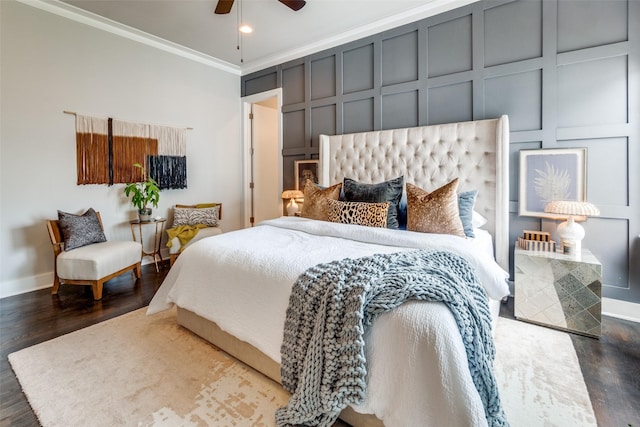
x: 247, y: 102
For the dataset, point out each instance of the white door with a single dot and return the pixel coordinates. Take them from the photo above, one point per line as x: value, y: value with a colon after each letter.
x: 262, y: 123
x: 266, y: 190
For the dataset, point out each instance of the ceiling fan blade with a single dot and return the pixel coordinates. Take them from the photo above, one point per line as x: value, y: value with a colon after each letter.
x: 223, y: 7
x: 293, y: 4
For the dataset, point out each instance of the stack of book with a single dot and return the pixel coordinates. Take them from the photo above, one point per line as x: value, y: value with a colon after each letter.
x: 536, y: 241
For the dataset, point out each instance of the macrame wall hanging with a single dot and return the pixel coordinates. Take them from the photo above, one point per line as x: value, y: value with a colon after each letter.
x: 108, y: 148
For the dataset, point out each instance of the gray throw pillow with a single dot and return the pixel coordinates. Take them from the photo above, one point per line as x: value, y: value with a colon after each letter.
x: 386, y: 191
x: 466, y: 201
x: 80, y: 230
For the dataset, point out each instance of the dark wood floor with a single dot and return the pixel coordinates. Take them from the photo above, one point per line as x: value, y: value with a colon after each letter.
x: 38, y: 316
x: 611, y: 365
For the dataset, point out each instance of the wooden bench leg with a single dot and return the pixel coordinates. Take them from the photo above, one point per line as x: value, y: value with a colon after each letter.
x: 56, y: 285
x: 97, y: 290
x: 138, y: 270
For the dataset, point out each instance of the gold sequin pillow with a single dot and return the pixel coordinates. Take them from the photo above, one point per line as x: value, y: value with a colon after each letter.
x: 315, y: 204
x: 435, y: 212
x: 359, y: 213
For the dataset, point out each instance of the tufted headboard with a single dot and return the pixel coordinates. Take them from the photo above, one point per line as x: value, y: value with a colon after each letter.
x: 476, y: 152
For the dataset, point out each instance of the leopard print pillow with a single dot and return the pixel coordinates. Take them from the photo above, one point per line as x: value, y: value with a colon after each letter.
x: 359, y: 213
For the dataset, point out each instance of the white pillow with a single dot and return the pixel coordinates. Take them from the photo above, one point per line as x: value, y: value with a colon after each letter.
x: 477, y: 220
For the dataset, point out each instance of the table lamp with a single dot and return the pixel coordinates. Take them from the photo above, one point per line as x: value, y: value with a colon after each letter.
x: 570, y: 232
x: 292, y: 195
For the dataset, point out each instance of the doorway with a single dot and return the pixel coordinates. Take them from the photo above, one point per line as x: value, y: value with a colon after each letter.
x: 262, y: 148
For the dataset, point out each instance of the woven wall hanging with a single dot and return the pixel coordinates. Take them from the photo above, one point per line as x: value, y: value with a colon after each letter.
x: 106, y: 150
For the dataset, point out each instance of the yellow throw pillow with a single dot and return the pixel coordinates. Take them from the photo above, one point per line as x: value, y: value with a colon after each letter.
x: 359, y: 213
x: 435, y: 212
x: 315, y: 200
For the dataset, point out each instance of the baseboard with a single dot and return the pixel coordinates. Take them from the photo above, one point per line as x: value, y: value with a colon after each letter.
x: 10, y: 288
x: 621, y: 309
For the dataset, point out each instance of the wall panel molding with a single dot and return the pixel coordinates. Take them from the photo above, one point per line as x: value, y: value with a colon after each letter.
x: 566, y: 72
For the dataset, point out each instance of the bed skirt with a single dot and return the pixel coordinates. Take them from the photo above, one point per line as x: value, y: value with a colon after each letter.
x: 253, y: 357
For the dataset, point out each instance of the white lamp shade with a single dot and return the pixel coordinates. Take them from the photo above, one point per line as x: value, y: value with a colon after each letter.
x: 570, y: 232
x: 292, y: 194
x: 571, y: 207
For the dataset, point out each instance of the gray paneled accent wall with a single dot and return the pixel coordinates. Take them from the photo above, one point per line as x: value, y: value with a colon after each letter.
x: 567, y: 72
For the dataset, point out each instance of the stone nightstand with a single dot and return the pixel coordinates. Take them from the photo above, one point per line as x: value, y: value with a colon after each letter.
x: 560, y: 291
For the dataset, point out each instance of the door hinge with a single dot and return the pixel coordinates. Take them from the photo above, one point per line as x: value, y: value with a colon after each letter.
x: 252, y: 220
x: 251, y: 185
x: 250, y: 116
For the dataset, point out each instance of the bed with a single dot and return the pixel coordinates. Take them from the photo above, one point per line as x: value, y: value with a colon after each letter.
x: 233, y: 289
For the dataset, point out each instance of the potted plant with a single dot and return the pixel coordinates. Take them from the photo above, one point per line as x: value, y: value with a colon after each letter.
x: 143, y: 194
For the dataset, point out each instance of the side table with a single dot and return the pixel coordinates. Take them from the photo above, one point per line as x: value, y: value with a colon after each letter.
x: 559, y: 291
x: 159, y: 224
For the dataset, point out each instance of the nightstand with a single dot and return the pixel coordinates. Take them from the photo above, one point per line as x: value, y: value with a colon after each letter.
x: 559, y: 291
x: 159, y: 224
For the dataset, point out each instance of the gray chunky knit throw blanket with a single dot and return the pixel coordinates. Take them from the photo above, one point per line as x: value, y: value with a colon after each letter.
x: 331, y: 305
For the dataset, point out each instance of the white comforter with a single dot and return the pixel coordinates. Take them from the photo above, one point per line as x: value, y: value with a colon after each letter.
x: 417, y: 364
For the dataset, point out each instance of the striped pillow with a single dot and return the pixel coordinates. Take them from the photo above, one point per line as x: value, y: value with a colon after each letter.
x: 193, y: 216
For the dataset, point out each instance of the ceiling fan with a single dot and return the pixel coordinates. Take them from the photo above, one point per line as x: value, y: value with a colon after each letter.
x: 224, y: 6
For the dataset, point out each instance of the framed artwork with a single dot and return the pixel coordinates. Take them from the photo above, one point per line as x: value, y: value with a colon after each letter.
x: 550, y: 174
x: 306, y: 170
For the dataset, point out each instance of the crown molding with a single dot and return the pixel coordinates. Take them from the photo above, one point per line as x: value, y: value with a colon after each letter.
x: 82, y: 16
x: 77, y: 14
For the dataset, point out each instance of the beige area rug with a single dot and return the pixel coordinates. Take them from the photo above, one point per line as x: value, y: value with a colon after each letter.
x: 539, y: 377
x: 139, y: 370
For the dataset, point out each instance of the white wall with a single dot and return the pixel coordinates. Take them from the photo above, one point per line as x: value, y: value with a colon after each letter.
x: 49, y: 64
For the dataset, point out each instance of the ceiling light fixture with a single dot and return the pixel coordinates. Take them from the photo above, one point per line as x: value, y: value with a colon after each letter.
x: 224, y: 7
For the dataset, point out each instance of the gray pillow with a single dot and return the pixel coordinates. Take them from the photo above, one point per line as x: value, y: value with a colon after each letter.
x: 80, y: 230
x: 386, y: 191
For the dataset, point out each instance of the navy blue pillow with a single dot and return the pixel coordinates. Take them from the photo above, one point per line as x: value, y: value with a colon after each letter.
x: 466, y: 201
x: 387, y: 191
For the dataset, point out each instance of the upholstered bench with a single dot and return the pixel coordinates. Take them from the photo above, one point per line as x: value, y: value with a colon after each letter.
x: 93, y: 263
